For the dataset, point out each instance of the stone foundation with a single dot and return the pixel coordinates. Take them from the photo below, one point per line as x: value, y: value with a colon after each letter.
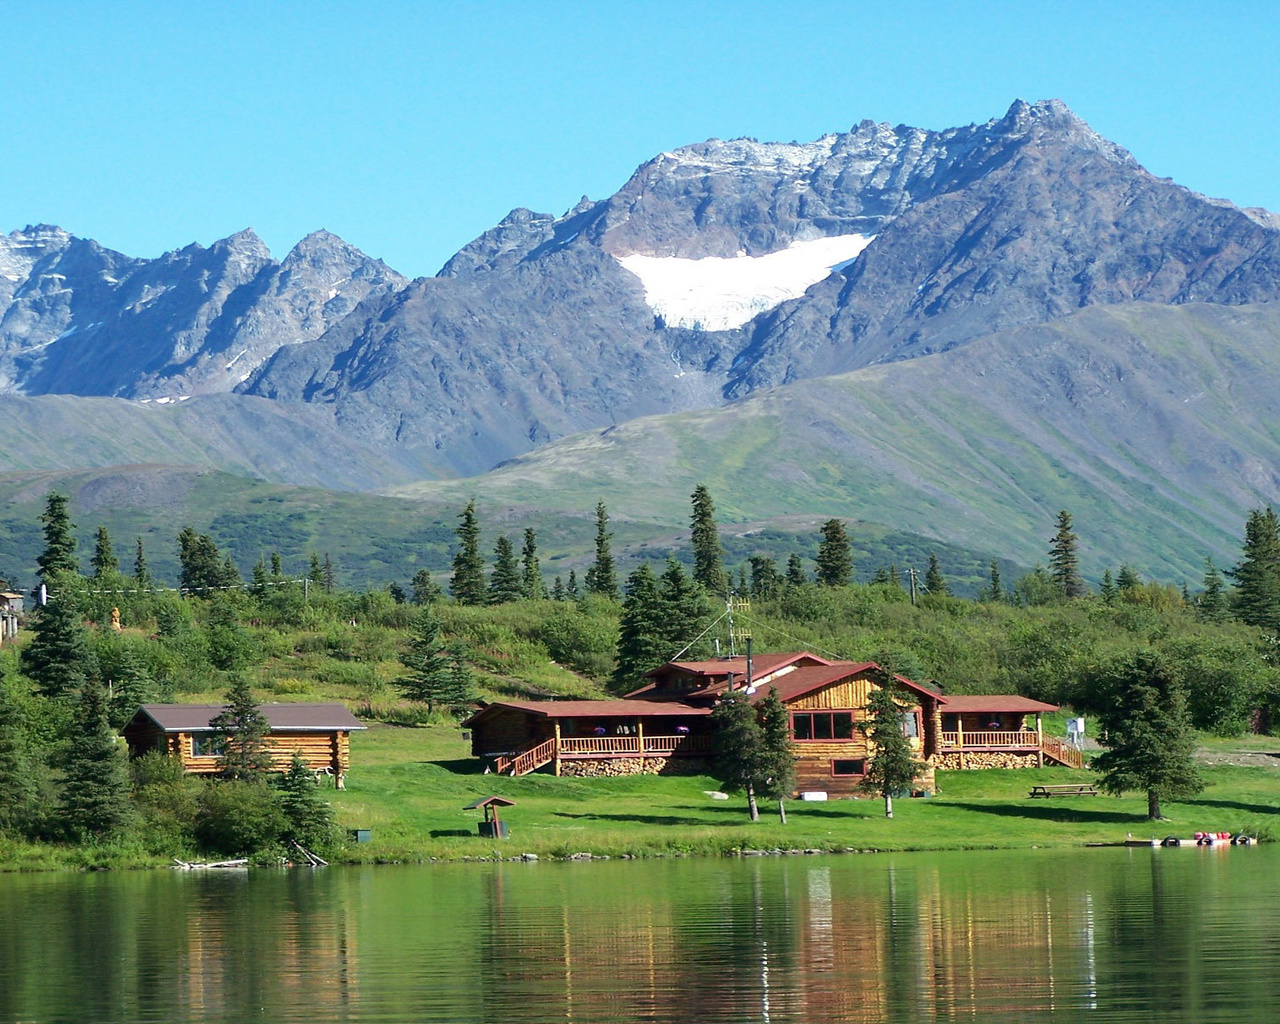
x: 984, y: 759
x: 611, y: 767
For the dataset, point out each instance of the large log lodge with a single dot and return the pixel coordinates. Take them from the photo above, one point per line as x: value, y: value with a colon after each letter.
x: 319, y: 733
x: 664, y: 727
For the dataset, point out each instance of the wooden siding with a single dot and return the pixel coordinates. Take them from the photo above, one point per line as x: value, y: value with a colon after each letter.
x: 850, y: 693
x: 320, y: 751
x: 505, y: 730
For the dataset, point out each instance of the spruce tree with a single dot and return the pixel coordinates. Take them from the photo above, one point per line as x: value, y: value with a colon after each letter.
x: 1109, y: 589
x: 557, y: 590
x: 766, y: 581
x: 934, y: 582
x: 995, y: 589
x: 835, y: 557
x: 94, y: 799
x: 18, y: 791
x: 776, y: 767
x: 531, y: 581
x: 892, y: 766
x: 141, y: 571
x: 277, y: 567
x: 58, y: 659
x: 309, y: 816
x: 243, y: 730
x: 424, y: 588
x: 571, y: 589
x: 258, y: 579
x: 708, y: 555
x: 467, y: 583
x: 688, y: 609
x: 1151, y: 745
x: 738, y: 745
x: 795, y: 571
x: 428, y: 679
x: 460, y: 691
x: 602, y: 578
x: 129, y: 684
x: 1212, y: 605
x: 1128, y: 579
x: 59, y: 554
x: 1257, y: 577
x: 104, y: 559
x: 315, y: 571
x: 329, y: 579
x: 397, y: 592
x: 642, y: 630
x: 1064, y: 559
x: 895, y: 577
x: 505, y: 584
x: 203, y: 569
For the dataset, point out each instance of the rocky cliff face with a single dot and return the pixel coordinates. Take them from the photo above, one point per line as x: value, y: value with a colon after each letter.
x: 80, y: 319
x: 716, y: 270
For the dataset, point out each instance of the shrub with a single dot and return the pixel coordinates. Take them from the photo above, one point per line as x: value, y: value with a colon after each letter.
x: 239, y: 819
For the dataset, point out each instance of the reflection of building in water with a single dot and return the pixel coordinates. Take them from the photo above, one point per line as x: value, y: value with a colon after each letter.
x: 298, y: 952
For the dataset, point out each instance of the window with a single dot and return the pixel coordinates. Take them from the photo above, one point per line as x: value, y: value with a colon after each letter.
x: 206, y: 745
x: 851, y: 767
x: 910, y: 724
x: 822, y: 725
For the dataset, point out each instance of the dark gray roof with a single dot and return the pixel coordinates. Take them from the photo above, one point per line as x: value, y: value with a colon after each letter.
x: 281, y: 717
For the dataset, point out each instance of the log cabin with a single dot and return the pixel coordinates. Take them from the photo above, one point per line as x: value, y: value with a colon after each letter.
x: 319, y: 733
x: 664, y: 727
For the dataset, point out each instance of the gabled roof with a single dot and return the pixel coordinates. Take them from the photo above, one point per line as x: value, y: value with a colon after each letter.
x: 281, y: 717
x: 555, y: 709
x: 995, y: 704
x: 714, y: 673
x: 808, y: 678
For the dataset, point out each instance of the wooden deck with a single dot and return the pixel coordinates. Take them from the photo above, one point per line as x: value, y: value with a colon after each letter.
x: 1021, y: 742
x: 588, y: 747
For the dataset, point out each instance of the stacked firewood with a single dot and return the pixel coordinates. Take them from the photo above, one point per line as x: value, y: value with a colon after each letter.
x: 985, y: 759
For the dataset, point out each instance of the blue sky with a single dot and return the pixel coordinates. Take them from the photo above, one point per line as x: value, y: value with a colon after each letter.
x: 410, y: 128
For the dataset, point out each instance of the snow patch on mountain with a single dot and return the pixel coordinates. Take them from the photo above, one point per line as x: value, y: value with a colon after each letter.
x: 718, y: 293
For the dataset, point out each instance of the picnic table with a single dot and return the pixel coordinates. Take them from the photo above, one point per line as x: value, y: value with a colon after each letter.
x: 1074, y: 789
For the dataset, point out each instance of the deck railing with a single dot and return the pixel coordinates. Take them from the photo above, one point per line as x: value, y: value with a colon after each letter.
x: 607, y: 745
x: 1064, y: 752
x: 677, y: 744
x: 1021, y: 739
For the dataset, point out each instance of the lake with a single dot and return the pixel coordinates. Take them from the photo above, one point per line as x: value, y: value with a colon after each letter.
x: 1092, y: 935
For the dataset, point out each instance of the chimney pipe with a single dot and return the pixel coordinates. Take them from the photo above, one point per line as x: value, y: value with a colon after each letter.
x: 729, y: 685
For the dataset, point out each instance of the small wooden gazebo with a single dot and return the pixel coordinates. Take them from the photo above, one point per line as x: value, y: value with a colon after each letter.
x: 491, y: 827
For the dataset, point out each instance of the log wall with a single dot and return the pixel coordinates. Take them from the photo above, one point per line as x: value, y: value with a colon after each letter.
x: 504, y: 730
x: 319, y: 751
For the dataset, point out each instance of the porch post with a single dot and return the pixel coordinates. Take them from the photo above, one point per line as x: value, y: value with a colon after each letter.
x: 556, y: 763
x: 640, y: 735
x: 1039, y: 741
x: 960, y: 736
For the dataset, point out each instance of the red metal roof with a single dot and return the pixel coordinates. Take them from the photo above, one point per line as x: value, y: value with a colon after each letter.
x: 995, y: 704
x: 281, y: 717
x: 761, y: 664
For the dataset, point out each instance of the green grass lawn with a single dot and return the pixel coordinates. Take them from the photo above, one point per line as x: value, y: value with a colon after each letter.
x: 409, y: 786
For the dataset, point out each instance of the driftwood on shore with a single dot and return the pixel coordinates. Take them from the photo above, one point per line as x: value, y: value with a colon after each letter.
x: 215, y: 865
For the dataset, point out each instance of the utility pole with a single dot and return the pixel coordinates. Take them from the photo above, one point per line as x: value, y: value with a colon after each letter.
x: 911, y: 575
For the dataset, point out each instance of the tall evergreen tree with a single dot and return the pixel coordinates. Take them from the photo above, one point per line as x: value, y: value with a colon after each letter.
x: 835, y: 557
x: 242, y: 730
x: 329, y: 579
x: 59, y: 554
x: 315, y: 571
x: 58, y: 659
x: 505, y: 584
x: 1064, y: 559
x: 602, y: 578
x: 892, y: 766
x: 203, y: 569
x: 642, y: 630
x: 738, y: 743
x: 688, y: 609
x: 795, y: 571
x: 277, y: 567
x: 467, y: 583
x: 94, y: 799
x: 1151, y: 746
x: 1212, y: 606
x: 309, y: 816
x: 995, y: 589
x: 397, y: 592
x: 531, y: 581
x: 776, y: 766
x: 258, y: 579
x: 141, y: 571
x: 18, y: 791
x: 428, y: 679
x: 708, y: 555
x: 934, y: 581
x: 104, y: 559
x: 766, y: 581
x: 425, y: 589
x: 1257, y: 577
x: 558, y: 591
x: 127, y: 681
x: 459, y: 685
x: 571, y: 588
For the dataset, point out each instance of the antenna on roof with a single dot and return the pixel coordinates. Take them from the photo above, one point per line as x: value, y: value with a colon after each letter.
x: 737, y: 634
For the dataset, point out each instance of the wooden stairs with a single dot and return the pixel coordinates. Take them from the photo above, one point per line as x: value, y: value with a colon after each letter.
x: 522, y: 762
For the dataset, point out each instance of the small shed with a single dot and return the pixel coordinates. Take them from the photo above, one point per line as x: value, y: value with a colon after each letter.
x: 12, y: 601
x: 319, y: 733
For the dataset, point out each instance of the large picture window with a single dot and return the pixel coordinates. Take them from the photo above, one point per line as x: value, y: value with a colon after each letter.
x: 822, y: 725
x: 206, y: 745
x: 910, y: 724
x: 850, y: 767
